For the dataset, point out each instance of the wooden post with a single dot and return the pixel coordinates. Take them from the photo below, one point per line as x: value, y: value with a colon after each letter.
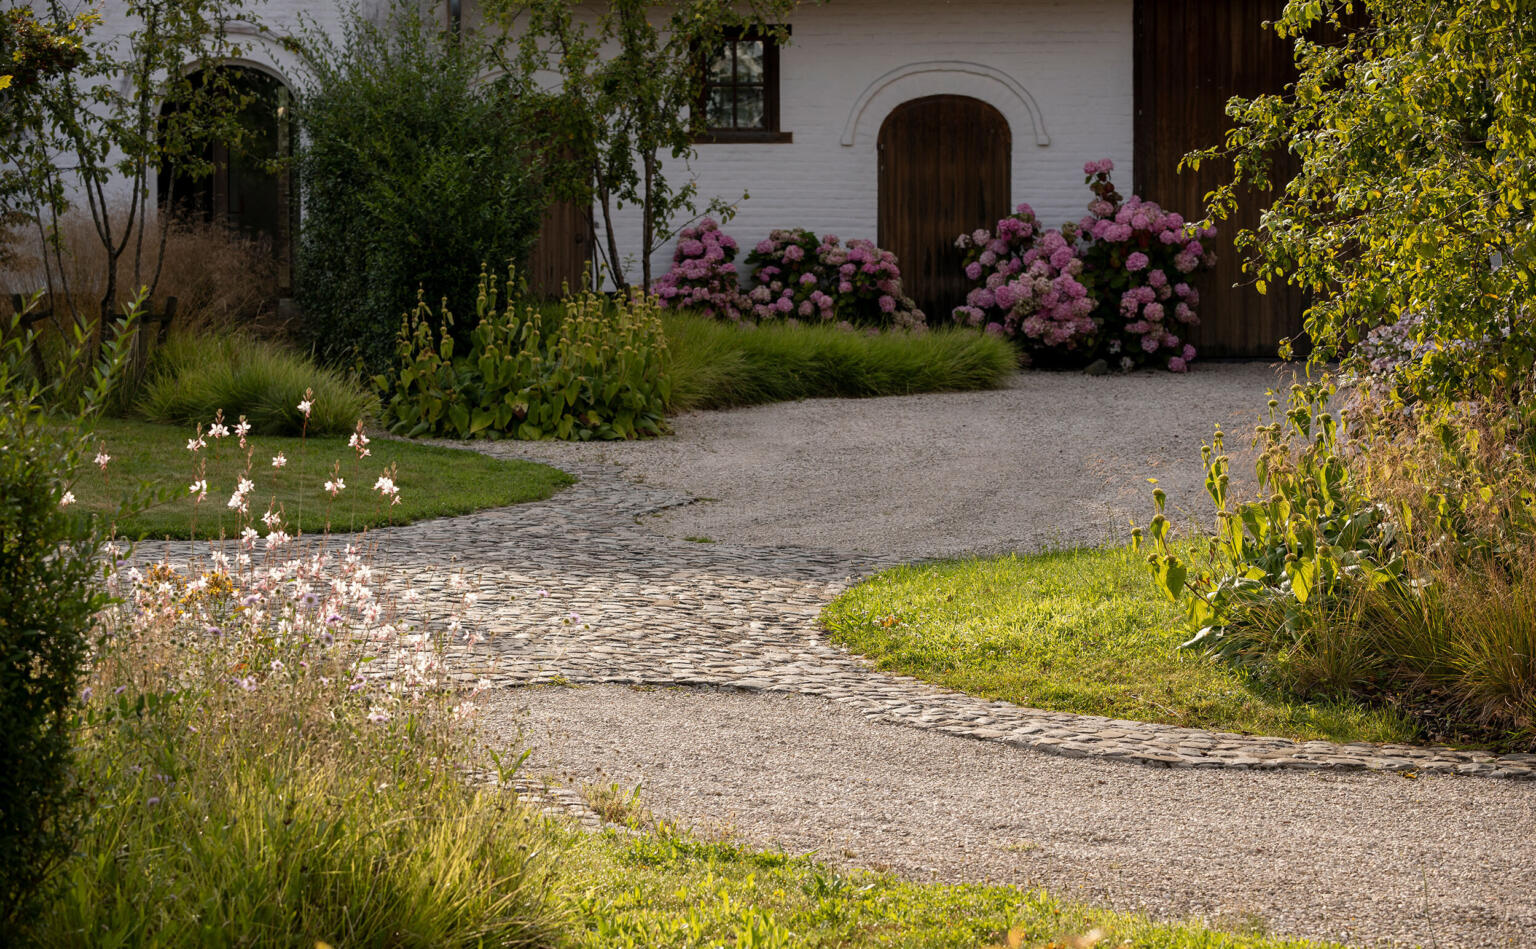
x: 165, y: 319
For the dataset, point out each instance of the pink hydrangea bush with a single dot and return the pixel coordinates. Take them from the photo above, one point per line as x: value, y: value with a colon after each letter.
x: 1140, y: 260
x: 703, y: 274
x: 1115, y: 285
x: 1028, y: 287
x: 796, y: 275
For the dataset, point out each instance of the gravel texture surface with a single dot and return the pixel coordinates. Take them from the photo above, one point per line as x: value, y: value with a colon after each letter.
x: 1055, y: 459
x: 1360, y: 858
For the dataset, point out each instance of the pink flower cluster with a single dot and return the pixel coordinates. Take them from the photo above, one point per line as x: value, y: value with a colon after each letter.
x: 1113, y: 285
x: 796, y: 275
x: 703, y: 273
x: 1141, y: 257
x: 1028, y: 283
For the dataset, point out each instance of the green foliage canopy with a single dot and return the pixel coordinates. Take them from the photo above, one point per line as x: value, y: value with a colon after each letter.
x: 50, y: 570
x: 414, y: 169
x: 1414, y: 129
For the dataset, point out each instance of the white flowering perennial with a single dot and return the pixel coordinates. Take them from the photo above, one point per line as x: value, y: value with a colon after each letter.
x: 273, y: 607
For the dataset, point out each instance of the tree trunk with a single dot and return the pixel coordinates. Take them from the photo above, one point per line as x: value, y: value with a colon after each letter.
x: 648, y: 228
x: 616, y: 268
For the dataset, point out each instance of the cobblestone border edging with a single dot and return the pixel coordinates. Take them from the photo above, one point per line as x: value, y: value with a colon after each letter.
x: 576, y: 590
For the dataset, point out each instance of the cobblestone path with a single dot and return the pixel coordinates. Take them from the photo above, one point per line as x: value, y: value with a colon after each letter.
x: 578, y: 589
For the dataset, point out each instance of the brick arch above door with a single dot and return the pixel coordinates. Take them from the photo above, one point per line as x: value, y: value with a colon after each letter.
x: 913, y: 80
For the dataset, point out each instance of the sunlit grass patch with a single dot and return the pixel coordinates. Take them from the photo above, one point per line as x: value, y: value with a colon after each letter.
x: 1074, y: 631
x: 432, y: 481
x: 666, y: 888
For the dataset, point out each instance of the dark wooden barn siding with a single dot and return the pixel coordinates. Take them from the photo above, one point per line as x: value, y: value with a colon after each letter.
x: 1191, y: 56
x: 561, y: 256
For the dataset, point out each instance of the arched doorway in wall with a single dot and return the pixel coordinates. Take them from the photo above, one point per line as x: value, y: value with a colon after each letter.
x: 944, y: 171
x: 249, y: 189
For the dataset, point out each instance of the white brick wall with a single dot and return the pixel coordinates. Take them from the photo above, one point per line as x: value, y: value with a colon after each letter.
x: 1072, y: 57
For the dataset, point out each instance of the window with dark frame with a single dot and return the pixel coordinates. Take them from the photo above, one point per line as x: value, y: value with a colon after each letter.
x: 739, y: 94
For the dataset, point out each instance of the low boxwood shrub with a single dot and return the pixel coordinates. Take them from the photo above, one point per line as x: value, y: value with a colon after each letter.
x: 1113, y: 285
x: 586, y: 369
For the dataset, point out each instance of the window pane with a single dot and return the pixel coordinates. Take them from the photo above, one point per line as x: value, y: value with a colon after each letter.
x: 750, y: 113
x: 749, y: 61
x: 719, y: 68
x: 717, y: 111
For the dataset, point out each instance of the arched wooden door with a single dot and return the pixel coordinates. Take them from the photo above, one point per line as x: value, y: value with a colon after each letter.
x: 248, y: 189
x: 944, y: 171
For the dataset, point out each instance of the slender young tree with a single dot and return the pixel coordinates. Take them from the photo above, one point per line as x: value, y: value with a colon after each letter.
x: 95, y: 136
x: 623, y: 118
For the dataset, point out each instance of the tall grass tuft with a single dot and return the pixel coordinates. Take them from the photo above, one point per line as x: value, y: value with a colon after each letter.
x: 193, y: 376
x: 233, y: 818
x: 719, y: 365
x: 219, y: 278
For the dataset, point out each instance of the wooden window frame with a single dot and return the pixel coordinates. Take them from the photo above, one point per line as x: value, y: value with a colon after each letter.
x: 771, y: 84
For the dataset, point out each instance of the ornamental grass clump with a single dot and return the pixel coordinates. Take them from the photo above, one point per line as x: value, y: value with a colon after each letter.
x: 797, y: 275
x: 586, y: 369
x: 196, y: 375
x: 703, y: 275
x: 1114, y: 285
x: 269, y: 740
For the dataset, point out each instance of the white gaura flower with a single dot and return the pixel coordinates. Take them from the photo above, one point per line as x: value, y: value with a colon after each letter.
x: 279, y: 460
x: 335, y: 487
x: 102, y: 458
x: 199, y: 488
x: 67, y: 499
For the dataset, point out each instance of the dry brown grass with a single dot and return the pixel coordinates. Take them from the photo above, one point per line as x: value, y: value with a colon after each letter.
x: 220, y: 279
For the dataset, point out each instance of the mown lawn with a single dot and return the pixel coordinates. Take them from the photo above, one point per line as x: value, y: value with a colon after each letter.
x: 1074, y: 631
x: 663, y: 888
x: 432, y: 481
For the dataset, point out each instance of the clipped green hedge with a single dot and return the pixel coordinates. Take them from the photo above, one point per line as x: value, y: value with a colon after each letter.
x: 718, y: 365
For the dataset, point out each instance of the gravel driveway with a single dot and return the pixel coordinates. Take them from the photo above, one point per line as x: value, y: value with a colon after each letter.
x: 1053, y: 459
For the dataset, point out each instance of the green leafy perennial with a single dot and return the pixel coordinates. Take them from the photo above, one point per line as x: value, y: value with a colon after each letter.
x: 1311, y: 537
x: 587, y: 369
